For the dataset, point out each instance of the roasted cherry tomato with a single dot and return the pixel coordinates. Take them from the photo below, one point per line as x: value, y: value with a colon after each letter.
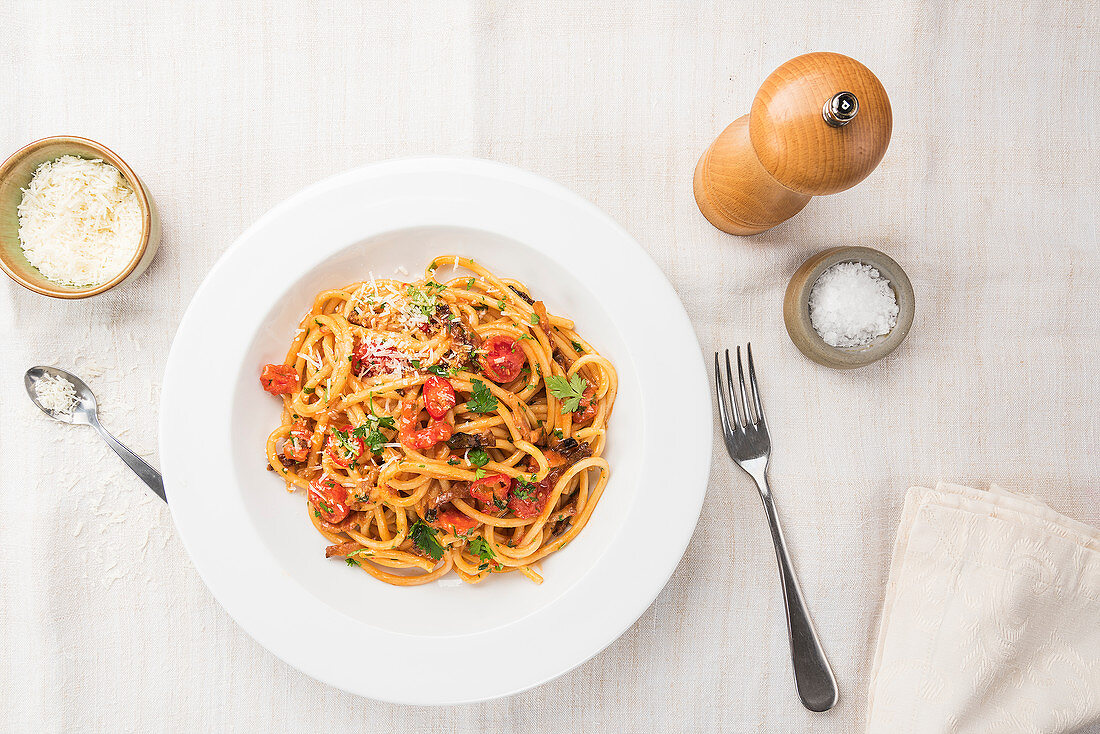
x: 503, y: 358
x: 279, y: 379
x: 527, y: 500
x: 296, y: 446
x: 439, y: 396
x: 588, y: 405
x: 344, y: 448
x: 370, y: 360
x: 454, y: 521
x: 329, y: 499
x: 421, y: 438
x: 492, y: 490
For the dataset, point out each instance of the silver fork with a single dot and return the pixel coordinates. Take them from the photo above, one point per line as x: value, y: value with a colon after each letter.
x: 748, y: 444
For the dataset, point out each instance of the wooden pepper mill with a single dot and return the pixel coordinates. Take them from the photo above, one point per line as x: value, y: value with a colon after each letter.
x: 819, y: 124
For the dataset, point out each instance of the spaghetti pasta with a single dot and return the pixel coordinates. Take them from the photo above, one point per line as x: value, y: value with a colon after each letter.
x: 441, y: 426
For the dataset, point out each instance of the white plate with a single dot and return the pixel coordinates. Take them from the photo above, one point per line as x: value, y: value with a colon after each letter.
x: 252, y: 542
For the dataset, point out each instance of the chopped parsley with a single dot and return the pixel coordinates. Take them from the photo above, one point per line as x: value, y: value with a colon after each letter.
x: 479, y: 473
x: 479, y: 457
x: 352, y: 561
x: 439, y: 370
x: 307, y: 390
x: 425, y: 538
x: 415, y: 363
x: 344, y: 441
x: 481, y: 399
x: 452, y: 461
x: 469, y: 283
x: 578, y: 348
x: 524, y: 491
x: 371, y: 432
x: 534, y: 319
x: 568, y: 391
x: 425, y: 300
x: 500, y: 306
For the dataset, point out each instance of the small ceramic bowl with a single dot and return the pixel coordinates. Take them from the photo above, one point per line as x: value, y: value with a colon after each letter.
x: 796, y: 308
x: 15, y: 175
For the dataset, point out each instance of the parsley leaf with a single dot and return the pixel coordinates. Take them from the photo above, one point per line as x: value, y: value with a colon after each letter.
x: 352, y: 561
x: 534, y: 319
x: 439, y: 370
x: 569, y: 391
x: 481, y: 399
x: 481, y: 548
x: 415, y: 363
x: 424, y: 537
x: 479, y: 473
x: 371, y: 434
x: 578, y: 348
x: 479, y: 457
x: 469, y: 283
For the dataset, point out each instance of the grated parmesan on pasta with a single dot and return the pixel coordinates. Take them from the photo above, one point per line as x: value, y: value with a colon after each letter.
x: 79, y: 221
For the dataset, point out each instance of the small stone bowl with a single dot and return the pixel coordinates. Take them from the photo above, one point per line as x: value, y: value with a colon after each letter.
x: 796, y: 308
x: 15, y: 175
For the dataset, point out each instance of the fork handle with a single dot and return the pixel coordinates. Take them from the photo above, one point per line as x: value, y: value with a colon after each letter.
x: 812, y: 675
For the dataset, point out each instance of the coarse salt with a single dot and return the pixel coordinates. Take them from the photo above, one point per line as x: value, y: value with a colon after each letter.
x: 851, y: 304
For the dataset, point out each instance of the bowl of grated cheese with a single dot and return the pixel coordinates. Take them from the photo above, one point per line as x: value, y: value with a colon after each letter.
x: 75, y: 220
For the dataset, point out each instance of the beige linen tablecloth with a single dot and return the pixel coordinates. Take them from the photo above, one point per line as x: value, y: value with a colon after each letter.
x: 986, y: 197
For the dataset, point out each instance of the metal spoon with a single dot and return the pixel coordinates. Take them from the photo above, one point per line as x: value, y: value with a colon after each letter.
x: 85, y: 413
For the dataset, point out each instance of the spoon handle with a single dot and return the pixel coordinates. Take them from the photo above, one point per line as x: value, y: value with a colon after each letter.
x: 148, y: 474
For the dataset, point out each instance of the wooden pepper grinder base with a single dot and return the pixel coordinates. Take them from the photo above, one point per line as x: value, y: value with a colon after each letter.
x: 819, y: 124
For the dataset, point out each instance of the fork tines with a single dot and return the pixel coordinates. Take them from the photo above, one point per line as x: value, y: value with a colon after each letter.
x: 734, y: 406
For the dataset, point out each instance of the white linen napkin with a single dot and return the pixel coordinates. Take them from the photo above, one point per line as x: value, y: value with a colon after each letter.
x: 991, y: 621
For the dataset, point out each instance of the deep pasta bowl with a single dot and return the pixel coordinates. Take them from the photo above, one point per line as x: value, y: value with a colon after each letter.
x: 15, y: 175
x: 251, y: 540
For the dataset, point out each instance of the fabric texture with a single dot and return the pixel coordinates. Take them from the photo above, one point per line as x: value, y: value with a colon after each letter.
x: 990, y: 618
x: 986, y: 197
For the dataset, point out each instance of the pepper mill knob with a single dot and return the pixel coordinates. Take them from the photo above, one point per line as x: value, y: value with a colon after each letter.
x: 819, y: 124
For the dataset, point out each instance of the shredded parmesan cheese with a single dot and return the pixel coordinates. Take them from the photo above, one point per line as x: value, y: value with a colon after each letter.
x: 56, y: 394
x: 79, y: 221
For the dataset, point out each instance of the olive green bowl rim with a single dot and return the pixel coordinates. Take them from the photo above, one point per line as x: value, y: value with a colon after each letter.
x: 796, y: 308
x: 46, y: 287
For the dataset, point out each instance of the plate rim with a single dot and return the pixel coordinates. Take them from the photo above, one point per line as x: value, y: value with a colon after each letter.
x: 697, y: 473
